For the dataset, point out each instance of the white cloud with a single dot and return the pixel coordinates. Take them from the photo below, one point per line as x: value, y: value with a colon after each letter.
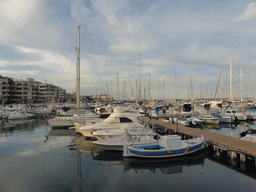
x: 248, y: 13
x: 14, y: 73
x: 18, y: 11
x: 128, y: 44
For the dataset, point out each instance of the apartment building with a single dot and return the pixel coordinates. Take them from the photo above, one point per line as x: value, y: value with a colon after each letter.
x: 29, y: 91
x: 24, y: 91
x: 4, y: 89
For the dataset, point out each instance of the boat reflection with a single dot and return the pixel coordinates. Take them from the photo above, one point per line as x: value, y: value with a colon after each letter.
x: 21, y: 125
x: 84, y: 145
x: 210, y: 126
x: 167, y: 166
x: 60, y: 133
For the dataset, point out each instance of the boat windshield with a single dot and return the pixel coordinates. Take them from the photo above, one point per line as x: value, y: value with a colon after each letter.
x: 111, y: 120
x: 125, y: 120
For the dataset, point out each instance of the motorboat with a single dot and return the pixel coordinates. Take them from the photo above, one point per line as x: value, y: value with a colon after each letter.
x: 116, y: 133
x: 180, y: 121
x: 210, y: 119
x: 249, y: 135
x: 19, y: 115
x: 167, y: 146
x: 239, y: 115
x: 194, y: 121
x: 75, y: 120
x: 225, y: 118
x: 114, y: 121
x: 117, y: 143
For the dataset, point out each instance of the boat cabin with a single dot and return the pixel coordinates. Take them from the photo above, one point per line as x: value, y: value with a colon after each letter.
x: 170, y: 141
x: 121, y: 118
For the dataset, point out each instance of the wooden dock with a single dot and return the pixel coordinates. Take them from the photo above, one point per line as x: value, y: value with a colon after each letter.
x: 232, y: 146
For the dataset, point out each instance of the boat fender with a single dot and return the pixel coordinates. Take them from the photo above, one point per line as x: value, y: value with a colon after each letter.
x: 169, y: 152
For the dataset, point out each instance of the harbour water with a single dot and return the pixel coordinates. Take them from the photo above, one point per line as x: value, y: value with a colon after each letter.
x: 34, y: 157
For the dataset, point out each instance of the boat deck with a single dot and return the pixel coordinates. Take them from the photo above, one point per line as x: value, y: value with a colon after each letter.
x: 223, y: 141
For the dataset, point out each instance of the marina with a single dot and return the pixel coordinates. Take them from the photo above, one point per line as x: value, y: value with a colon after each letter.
x: 142, y: 96
x: 60, y: 159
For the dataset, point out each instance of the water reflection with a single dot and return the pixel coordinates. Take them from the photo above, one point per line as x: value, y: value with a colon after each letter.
x: 20, y: 125
x: 167, y: 166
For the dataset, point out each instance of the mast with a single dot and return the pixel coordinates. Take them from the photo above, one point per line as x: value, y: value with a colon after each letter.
x: 149, y: 93
x: 117, y: 87
x: 78, y: 74
x: 163, y: 90
x: 222, y: 84
x: 191, y: 87
x: 176, y: 91
x: 140, y: 78
x: 158, y: 88
x: 248, y: 86
x: 241, y: 84
x: 231, y: 80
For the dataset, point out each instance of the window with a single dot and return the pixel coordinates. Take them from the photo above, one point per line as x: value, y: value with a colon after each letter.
x: 125, y: 120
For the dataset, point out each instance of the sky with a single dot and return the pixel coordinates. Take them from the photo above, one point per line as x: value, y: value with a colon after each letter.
x: 179, y: 45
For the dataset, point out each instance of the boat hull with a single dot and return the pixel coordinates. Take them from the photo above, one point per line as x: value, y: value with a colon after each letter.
x: 156, y: 151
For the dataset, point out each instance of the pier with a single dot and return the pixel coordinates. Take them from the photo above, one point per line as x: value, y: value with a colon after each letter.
x: 223, y: 146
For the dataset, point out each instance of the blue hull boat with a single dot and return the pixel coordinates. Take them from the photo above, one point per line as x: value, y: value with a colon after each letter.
x: 167, y: 146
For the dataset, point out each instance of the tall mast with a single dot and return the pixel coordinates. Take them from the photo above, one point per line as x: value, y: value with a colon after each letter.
x: 149, y: 93
x: 191, y: 87
x: 231, y: 80
x: 241, y: 84
x: 163, y: 90
x: 248, y: 86
x: 140, y: 78
x: 176, y: 91
x: 222, y: 84
x: 117, y: 87
x: 78, y: 74
x: 158, y: 88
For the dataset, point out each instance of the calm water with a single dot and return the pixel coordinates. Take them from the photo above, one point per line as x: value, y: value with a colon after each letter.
x: 34, y: 158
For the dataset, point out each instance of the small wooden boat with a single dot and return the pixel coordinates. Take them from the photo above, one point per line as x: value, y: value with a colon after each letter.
x: 168, y: 146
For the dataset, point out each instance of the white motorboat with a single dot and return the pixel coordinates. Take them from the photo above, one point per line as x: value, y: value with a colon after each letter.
x: 116, y: 133
x: 249, y: 135
x: 19, y: 115
x: 180, y: 121
x: 225, y: 118
x: 239, y: 115
x: 117, y: 143
x: 114, y: 121
x: 70, y: 121
x: 210, y: 119
x: 194, y: 121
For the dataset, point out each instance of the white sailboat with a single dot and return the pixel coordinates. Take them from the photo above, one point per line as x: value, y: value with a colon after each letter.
x: 66, y: 122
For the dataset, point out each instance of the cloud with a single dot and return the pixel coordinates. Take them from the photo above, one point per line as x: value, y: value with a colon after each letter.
x: 249, y: 12
x: 18, y: 11
x: 14, y: 73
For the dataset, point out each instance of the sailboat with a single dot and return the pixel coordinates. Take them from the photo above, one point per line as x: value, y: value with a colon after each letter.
x: 67, y: 122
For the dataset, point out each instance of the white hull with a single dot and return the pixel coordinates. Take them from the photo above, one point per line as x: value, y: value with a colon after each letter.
x: 117, y: 143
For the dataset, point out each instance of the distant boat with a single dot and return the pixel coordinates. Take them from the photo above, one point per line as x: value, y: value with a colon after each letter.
x: 210, y: 119
x: 249, y: 135
x: 19, y: 115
